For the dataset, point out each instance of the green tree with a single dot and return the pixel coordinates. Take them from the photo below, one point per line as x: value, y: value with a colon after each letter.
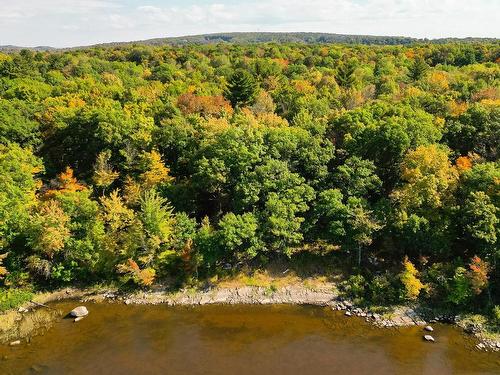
x: 345, y: 74
x: 424, y: 201
x: 417, y: 69
x: 241, y: 89
x: 481, y: 222
x: 357, y: 177
x: 238, y: 235
x: 157, y: 218
x: 362, y: 226
x: 476, y: 130
x: 18, y: 185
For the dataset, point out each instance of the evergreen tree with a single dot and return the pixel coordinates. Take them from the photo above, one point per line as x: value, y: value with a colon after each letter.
x: 345, y: 74
x: 242, y: 89
x: 418, y: 69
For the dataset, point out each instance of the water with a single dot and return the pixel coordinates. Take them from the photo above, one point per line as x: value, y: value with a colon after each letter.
x: 119, y: 339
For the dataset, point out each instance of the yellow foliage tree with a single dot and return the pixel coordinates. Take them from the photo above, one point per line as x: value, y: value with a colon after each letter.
x: 156, y: 172
x: 49, y: 229
x: 3, y: 270
x: 412, y: 284
x: 430, y: 178
x: 115, y: 214
x: 104, y: 175
x: 132, y: 191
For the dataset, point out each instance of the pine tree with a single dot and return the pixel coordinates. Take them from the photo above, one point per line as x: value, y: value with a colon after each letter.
x: 418, y: 69
x: 345, y: 74
x: 242, y: 89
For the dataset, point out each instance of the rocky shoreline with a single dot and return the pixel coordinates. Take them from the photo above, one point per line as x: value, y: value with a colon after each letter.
x: 293, y: 294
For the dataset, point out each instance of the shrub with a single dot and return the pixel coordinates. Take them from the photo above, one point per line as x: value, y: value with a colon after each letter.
x: 382, y: 290
x: 437, y: 278
x: 461, y: 290
x: 496, y: 315
x: 355, y: 287
x: 132, y: 271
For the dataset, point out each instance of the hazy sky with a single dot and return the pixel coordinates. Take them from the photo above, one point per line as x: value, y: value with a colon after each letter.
x: 79, y: 22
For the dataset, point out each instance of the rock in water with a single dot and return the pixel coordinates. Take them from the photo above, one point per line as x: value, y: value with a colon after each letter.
x: 348, y: 313
x: 429, y: 328
x: 429, y: 338
x: 14, y: 343
x: 78, y: 319
x: 79, y: 311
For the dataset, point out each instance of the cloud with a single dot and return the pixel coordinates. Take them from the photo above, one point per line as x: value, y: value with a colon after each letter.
x: 76, y: 22
x: 325, y: 13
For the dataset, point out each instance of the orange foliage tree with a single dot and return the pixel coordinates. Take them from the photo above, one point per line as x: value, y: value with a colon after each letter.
x: 204, y: 105
x: 131, y: 270
x: 64, y: 183
x: 478, y: 274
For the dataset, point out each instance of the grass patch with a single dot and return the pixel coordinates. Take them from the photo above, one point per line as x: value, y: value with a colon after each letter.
x: 13, y: 298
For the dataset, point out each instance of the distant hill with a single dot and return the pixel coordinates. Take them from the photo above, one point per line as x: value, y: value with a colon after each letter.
x: 17, y: 48
x: 266, y: 37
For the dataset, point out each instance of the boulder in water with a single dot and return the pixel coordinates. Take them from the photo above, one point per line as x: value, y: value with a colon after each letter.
x: 79, y: 312
x: 429, y: 328
x: 14, y: 343
x: 429, y: 338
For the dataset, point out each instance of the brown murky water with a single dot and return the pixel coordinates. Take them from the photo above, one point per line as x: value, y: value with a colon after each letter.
x: 119, y: 339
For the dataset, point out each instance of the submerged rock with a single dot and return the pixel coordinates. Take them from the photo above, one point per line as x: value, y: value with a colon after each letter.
x: 429, y: 338
x: 79, y: 312
x: 429, y: 329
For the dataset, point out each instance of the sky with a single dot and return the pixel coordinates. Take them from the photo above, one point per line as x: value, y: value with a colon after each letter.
x: 66, y: 23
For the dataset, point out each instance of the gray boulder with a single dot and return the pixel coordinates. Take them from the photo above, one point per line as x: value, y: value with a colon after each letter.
x: 429, y: 328
x: 79, y: 311
x: 429, y: 338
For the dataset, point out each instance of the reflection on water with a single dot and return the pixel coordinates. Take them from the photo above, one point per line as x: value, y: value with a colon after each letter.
x: 119, y: 339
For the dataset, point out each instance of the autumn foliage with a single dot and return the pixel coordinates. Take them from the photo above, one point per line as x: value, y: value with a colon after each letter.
x: 478, y: 273
x: 143, y: 277
x: 411, y: 282
x: 204, y: 105
x: 147, y: 164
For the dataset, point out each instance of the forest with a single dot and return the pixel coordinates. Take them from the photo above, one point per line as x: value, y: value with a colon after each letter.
x: 138, y: 164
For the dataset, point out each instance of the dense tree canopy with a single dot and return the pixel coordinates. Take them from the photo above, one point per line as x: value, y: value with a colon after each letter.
x: 141, y: 163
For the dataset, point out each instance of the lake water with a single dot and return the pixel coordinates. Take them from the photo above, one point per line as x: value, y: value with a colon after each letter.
x: 119, y: 339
